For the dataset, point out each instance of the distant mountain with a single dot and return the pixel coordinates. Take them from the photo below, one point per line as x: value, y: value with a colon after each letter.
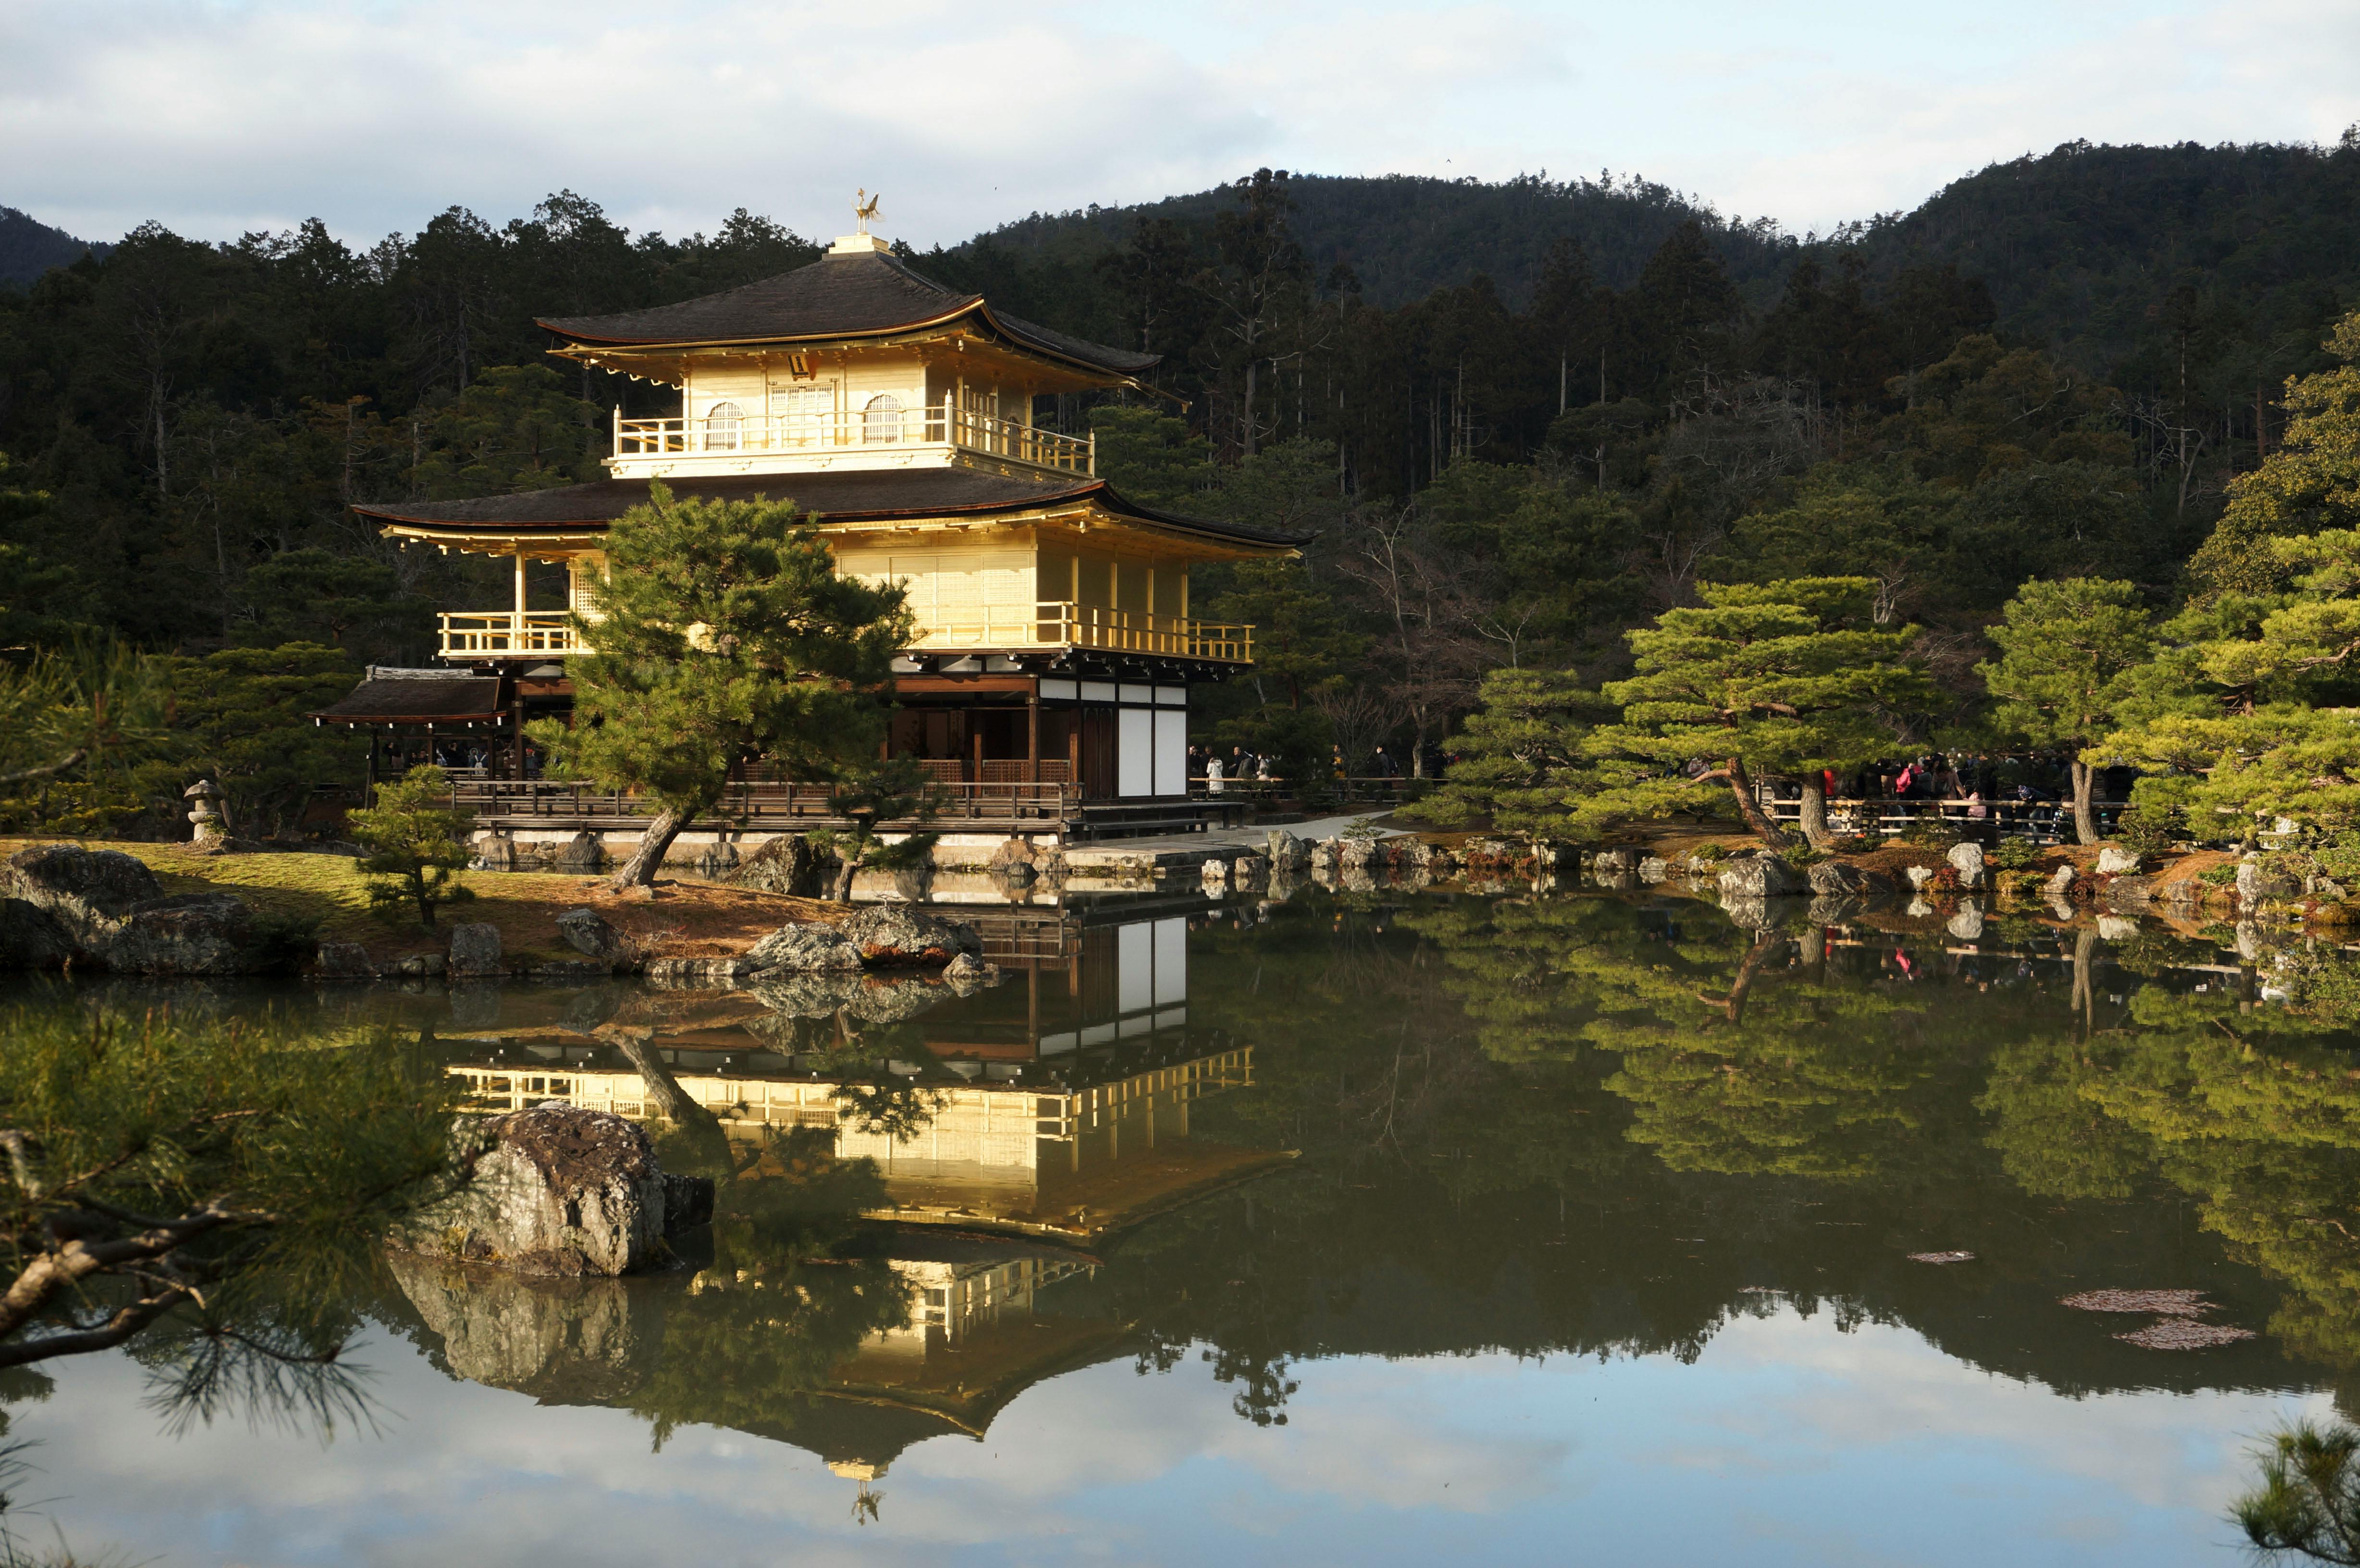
x: 1405, y: 236
x: 29, y: 247
x: 2103, y: 251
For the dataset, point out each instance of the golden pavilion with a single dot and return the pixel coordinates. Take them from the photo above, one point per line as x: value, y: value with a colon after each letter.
x: 1048, y: 687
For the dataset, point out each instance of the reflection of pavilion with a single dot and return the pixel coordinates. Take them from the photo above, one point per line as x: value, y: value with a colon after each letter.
x: 1060, y: 1103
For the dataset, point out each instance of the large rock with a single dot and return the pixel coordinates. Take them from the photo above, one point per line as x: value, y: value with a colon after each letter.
x: 88, y: 892
x: 475, y: 950
x: 2116, y: 861
x: 1615, y: 860
x: 587, y: 932
x: 1967, y: 860
x: 896, y: 933
x: 584, y: 852
x: 1287, y: 853
x: 30, y: 937
x: 192, y: 933
x: 966, y: 973
x: 1838, y: 879
x: 811, y: 948
x: 788, y: 864
x: 560, y: 1190
x: 1760, y: 877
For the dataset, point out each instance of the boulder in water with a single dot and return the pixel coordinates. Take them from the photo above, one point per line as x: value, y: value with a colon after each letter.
x: 896, y: 933
x: 560, y: 1190
x: 811, y: 949
x: 1759, y: 877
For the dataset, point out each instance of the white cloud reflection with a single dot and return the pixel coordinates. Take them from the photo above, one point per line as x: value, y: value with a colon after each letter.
x: 1787, y: 1442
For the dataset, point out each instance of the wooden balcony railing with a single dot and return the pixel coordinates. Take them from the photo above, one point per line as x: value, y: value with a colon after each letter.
x: 507, y: 634
x: 854, y: 430
x: 1060, y: 624
x: 768, y: 804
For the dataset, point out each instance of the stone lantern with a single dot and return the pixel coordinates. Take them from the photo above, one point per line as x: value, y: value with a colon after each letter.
x: 205, y: 819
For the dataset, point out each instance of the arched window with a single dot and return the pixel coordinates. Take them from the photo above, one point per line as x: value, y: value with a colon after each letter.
x: 882, y: 421
x: 725, y: 424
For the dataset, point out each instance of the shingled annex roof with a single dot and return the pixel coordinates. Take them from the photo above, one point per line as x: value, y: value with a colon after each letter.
x: 387, y: 696
x: 847, y: 495
x: 867, y: 294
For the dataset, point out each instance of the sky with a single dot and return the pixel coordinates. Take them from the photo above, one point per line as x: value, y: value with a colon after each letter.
x: 218, y: 117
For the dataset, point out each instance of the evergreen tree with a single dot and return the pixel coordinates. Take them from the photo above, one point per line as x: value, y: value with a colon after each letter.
x: 721, y: 637
x: 226, y: 1181
x: 2310, y: 485
x: 416, y: 846
x: 2065, y: 649
x: 1762, y: 680
x: 1524, y: 761
x: 2245, y: 713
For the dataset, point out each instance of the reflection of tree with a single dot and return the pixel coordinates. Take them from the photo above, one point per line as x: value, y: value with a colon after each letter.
x: 1736, y: 1054
x: 782, y: 1306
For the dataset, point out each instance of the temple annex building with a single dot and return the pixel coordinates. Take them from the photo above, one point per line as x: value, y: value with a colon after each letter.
x: 1048, y: 687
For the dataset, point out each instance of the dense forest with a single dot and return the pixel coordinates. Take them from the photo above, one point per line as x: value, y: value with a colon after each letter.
x: 1523, y: 418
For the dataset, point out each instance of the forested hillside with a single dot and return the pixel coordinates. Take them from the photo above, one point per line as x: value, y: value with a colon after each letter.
x: 29, y: 247
x: 1524, y: 418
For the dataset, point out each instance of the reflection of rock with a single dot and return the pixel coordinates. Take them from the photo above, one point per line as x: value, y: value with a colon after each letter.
x: 1655, y: 869
x: 806, y: 996
x: 2115, y: 927
x: 894, y: 933
x: 892, y: 1001
x: 1967, y: 925
x: 1832, y: 909
x: 475, y: 1005
x: 563, y: 1340
x: 560, y: 1190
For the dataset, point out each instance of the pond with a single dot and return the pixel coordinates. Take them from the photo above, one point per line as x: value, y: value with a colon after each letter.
x: 1375, y: 1226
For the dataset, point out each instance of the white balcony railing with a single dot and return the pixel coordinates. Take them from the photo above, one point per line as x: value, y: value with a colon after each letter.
x: 507, y: 634
x: 859, y: 430
x: 1052, y: 624
x: 1060, y: 624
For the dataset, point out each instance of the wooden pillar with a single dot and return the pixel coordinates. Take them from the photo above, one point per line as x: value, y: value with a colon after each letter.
x: 520, y: 587
x: 516, y: 720
x: 1033, y: 734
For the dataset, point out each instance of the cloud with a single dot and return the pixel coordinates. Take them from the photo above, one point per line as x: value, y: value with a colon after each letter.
x: 229, y: 116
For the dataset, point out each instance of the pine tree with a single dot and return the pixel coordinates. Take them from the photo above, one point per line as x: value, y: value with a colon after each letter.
x: 722, y: 636
x: 1523, y: 759
x: 2245, y: 713
x: 2066, y: 651
x: 1764, y: 680
x: 417, y: 846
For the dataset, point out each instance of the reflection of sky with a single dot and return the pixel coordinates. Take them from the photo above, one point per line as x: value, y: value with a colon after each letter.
x: 1788, y: 1442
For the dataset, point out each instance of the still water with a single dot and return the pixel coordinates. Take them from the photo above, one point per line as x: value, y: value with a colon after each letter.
x: 1360, y: 1227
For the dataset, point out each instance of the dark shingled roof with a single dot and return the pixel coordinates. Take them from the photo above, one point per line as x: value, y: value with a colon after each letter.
x: 866, y: 294
x: 848, y: 495
x: 416, y: 696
